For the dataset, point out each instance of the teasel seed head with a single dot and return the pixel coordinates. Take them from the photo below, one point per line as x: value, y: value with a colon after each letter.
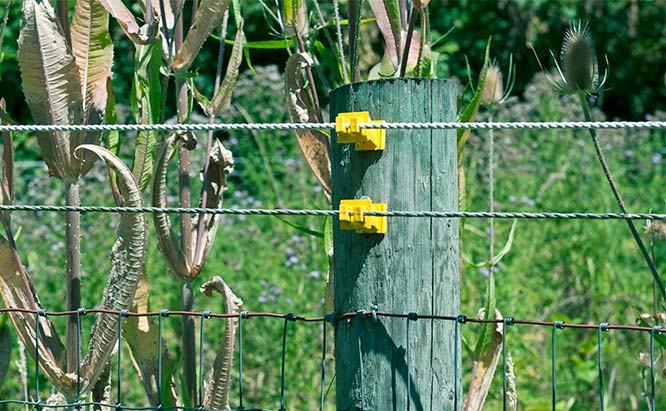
x: 494, y: 90
x: 578, y: 70
x: 579, y: 60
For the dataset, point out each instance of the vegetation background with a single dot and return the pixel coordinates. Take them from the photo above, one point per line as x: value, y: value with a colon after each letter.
x: 576, y: 271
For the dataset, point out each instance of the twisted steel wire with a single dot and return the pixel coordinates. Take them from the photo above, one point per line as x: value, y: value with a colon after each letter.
x: 324, y: 213
x: 320, y: 126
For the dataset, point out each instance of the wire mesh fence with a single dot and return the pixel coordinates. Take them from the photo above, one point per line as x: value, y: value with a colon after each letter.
x: 365, y: 318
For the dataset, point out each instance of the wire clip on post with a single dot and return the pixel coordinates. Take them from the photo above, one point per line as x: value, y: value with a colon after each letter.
x: 352, y: 216
x: 347, y: 127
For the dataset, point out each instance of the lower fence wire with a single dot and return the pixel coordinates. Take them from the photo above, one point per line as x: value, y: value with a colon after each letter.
x: 359, y: 317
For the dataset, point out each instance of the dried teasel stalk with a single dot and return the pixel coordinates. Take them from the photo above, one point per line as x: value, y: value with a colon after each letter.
x: 580, y: 78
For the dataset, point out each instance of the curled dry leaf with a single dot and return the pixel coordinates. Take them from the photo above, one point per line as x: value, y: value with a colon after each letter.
x: 18, y: 292
x: 93, y: 53
x: 483, y: 368
x: 169, y: 15
x: 221, y: 164
x: 219, y: 381
x: 127, y: 258
x: 295, y: 17
x: 142, y: 336
x: 222, y: 99
x: 314, y: 144
x: 101, y: 392
x: 208, y: 15
x: 387, y: 14
x: 138, y: 34
x: 168, y: 242
x: 52, y: 89
x: 7, y: 178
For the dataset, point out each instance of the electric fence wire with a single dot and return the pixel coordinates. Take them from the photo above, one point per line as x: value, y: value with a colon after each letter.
x: 325, y: 213
x: 359, y: 316
x: 517, y: 125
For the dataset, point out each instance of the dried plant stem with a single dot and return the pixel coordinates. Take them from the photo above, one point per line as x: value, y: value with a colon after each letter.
x: 73, y: 253
x: 165, y: 28
x: 491, y: 191
x: 5, y: 19
x: 188, y: 341
x: 63, y: 18
x: 354, y: 16
x: 187, y: 295
x: 329, y: 38
x: 408, y: 44
x: 201, y: 229
x: 618, y: 197
x: 308, y: 72
x: 338, y: 33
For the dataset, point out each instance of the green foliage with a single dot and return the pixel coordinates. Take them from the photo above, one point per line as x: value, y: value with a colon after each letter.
x: 575, y: 271
x: 626, y: 31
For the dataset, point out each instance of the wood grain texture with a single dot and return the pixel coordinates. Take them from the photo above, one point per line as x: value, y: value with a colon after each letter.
x: 415, y: 266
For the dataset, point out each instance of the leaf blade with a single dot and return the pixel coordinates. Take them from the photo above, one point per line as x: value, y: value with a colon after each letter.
x: 313, y: 143
x: 127, y: 259
x: 127, y: 22
x: 206, y: 18
x: 168, y: 242
x: 141, y: 335
x: 221, y: 101
x: 472, y: 108
x: 387, y: 13
x: 50, y: 80
x: 93, y: 53
x: 221, y: 164
x: 216, y: 395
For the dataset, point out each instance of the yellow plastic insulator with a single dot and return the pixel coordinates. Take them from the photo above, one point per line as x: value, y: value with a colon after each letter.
x: 347, y: 127
x: 352, y: 216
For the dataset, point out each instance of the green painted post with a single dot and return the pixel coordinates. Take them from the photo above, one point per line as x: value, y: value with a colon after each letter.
x: 414, y: 267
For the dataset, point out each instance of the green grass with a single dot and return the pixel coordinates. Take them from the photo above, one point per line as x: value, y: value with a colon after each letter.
x: 571, y: 270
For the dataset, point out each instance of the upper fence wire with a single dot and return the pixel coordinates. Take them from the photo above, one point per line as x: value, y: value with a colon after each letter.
x: 313, y: 126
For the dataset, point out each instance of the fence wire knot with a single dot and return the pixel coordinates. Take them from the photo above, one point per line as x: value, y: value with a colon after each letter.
x: 331, y: 318
x: 374, y: 308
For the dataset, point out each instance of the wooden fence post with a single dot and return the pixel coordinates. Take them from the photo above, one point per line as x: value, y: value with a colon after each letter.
x: 414, y: 267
